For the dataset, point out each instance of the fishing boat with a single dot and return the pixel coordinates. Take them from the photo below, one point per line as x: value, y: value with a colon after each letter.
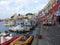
x: 21, y: 41
x: 17, y: 28
x: 6, y: 40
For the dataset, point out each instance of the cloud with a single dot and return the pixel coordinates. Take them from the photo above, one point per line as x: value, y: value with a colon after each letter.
x: 9, y: 7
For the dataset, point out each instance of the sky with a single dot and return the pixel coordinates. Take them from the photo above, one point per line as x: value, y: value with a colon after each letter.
x: 9, y: 7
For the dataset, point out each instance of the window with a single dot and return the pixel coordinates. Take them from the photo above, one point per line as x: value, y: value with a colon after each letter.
x: 58, y: 12
x: 58, y: 1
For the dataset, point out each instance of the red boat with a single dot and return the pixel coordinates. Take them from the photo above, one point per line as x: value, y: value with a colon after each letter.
x: 7, y: 40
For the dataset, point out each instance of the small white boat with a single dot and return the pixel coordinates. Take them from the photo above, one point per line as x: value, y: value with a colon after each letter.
x: 9, y: 23
x: 7, y: 40
x: 17, y: 28
x: 4, y: 34
x: 4, y: 39
x: 20, y: 28
x: 24, y: 25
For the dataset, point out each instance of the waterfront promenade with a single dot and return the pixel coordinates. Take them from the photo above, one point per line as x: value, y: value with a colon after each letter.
x: 50, y: 36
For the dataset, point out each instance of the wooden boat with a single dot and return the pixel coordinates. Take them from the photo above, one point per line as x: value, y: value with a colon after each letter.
x: 19, y: 41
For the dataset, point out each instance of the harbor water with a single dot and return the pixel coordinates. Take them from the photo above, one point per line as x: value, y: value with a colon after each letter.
x: 2, y: 27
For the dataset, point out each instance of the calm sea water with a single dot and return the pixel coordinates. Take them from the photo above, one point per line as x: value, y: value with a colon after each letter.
x: 2, y: 27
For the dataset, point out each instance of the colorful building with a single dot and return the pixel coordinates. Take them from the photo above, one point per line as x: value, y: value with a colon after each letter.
x: 50, y: 10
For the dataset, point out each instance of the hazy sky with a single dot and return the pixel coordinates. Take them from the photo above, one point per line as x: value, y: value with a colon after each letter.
x: 9, y: 7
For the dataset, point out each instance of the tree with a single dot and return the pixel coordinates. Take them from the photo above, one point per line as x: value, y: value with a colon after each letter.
x: 18, y: 14
x: 29, y: 14
x: 12, y: 16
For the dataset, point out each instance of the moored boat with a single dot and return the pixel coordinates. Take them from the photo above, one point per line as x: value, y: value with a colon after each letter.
x: 22, y: 41
x: 17, y: 28
x: 7, y: 40
x: 4, y: 34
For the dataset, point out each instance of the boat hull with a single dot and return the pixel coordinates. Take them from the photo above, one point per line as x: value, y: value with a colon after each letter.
x: 9, y: 41
x: 18, y: 41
